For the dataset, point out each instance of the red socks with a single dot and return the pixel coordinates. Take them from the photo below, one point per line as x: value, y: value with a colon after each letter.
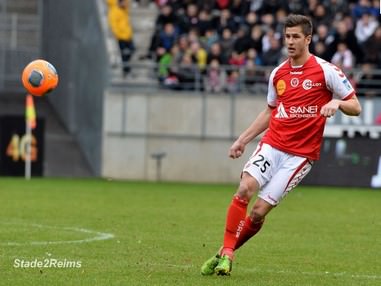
x: 248, y: 231
x: 235, y: 222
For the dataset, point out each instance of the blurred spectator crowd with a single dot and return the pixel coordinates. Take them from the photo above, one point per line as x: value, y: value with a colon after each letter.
x: 228, y: 45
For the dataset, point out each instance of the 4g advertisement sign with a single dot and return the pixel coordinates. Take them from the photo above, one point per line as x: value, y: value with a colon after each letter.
x: 13, y: 143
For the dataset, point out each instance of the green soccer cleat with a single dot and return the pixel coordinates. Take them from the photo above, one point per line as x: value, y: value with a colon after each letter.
x: 208, y: 267
x: 224, y: 266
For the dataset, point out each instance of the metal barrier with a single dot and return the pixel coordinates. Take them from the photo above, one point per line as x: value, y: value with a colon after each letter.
x: 253, y: 79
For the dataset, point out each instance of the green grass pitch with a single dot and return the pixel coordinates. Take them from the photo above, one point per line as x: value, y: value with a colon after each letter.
x: 163, y: 232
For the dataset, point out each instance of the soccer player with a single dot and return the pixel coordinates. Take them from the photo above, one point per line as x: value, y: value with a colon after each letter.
x: 303, y: 92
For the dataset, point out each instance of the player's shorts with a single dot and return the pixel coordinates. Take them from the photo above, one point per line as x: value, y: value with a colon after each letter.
x: 277, y: 172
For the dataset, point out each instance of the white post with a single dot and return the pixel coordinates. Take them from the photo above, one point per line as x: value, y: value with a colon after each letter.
x: 28, y: 159
x: 376, y: 179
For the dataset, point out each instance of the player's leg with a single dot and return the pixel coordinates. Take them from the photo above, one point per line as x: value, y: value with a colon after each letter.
x: 236, y: 213
x: 255, y: 174
x: 292, y: 170
x: 254, y: 221
x: 235, y: 219
x: 262, y: 165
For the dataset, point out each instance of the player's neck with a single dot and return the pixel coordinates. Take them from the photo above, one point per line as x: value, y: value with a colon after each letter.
x: 299, y: 61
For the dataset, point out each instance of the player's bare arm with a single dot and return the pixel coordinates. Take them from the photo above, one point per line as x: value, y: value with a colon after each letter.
x: 260, y: 124
x: 349, y: 107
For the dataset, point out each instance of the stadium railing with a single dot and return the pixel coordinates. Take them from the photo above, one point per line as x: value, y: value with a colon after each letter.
x: 20, y: 38
x: 252, y: 80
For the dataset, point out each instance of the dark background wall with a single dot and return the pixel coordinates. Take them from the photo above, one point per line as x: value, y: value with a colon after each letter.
x: 73, y: 40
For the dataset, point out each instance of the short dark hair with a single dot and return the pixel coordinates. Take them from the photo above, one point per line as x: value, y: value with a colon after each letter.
x: 293, y: 20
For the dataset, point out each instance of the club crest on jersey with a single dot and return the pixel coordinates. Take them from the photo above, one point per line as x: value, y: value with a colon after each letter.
x: 280, y: 87
x: 294, y: 82
x: 308, y: 84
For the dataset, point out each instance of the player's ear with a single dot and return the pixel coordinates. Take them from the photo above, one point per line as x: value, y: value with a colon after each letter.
x: 308, y: 39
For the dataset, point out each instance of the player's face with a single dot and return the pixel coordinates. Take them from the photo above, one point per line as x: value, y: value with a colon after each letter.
x: 296, y: 42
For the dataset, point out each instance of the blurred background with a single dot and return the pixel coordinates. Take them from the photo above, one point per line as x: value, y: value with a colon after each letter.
x: 158, y: 90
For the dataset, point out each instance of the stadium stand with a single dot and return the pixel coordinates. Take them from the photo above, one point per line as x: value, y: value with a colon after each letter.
x: 142, y: 15
x: 246, y: 28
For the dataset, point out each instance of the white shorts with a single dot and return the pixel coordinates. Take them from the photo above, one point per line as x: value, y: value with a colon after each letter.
x: 277, y: 172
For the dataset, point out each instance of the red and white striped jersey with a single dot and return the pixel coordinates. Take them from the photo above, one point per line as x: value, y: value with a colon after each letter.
x: 297, y: 94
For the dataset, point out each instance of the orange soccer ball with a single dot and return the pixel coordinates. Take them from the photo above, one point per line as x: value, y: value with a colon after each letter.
x: 39, y: 77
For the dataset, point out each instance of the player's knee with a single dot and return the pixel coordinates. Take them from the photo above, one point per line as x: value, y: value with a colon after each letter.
x: 245, y: 191
x: 257, y: 217
x: 258, y: 213
x: 247, y: 187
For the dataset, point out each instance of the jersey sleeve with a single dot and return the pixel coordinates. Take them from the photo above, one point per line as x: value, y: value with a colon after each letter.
x: 337, y: 82
x: 271, y: 93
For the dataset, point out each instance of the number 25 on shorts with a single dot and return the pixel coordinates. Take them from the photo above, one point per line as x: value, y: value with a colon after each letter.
x: 261, y: 163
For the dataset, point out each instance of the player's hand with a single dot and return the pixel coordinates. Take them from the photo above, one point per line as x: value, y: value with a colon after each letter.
x: 236, y: 150
x: 330, y: 108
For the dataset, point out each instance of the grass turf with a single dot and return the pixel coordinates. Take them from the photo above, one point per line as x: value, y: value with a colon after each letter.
x: 164, y: 231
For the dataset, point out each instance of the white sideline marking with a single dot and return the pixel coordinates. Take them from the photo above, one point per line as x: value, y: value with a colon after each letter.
x: 257, y: 270
x: 97, y: 235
